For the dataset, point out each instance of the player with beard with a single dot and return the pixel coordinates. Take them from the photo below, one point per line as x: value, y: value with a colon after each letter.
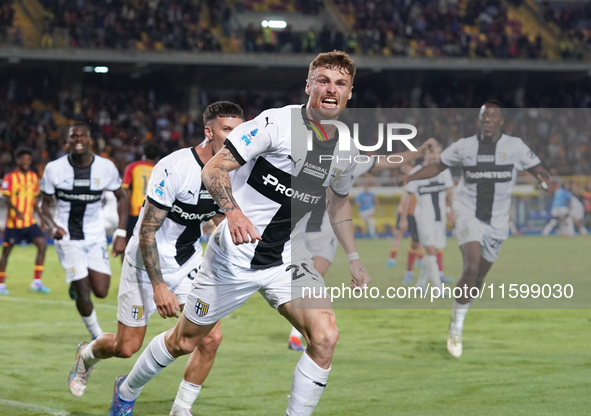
x: 259, y: 246
x: 77, y: 181
x: 482, y: 200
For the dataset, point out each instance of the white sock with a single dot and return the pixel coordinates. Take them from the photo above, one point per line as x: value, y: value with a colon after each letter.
x: 309, y: 381
x: 295, y: 333
x: 371, y: 223
x: 549, y: 227
x: 92, y: 324
x: 433, y: 270
x: 422, y: 280
x: 154, y: 358
x: 88, y: 356
x: 186, y: 395
x: 458, y: 314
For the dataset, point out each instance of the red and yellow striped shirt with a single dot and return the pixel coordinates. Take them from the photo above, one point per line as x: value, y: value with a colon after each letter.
x: 136, y: 177
x: 22, y: 190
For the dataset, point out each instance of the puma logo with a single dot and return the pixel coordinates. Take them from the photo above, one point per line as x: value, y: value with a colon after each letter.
x: 166, y: 172
x: 295, y: 162
x: 267, y: 121
x: 192, y: 193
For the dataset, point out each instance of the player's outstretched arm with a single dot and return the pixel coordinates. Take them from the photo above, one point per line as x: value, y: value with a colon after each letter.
x: 165, y: 300
x: 123, y: 212
x: 57, y: 233
x: 216, y: 177
x: 427, y: 172
x: 382, y: 163
x: 543, y: 176
x: 341, y: 219
x: 404, y: 203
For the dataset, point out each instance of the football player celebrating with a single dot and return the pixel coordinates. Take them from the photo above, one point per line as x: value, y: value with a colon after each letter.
x: 489, y: 161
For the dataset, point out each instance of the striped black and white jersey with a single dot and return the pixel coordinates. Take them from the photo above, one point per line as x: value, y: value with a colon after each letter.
x: 78, y: 193
x: 430, y: 194
x: 175, y: 186
x: 279, y: 184
x: 489, y: 171
x: 319, y: 216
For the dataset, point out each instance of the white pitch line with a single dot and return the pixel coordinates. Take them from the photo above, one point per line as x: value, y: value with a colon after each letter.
x: 34, y: 408
x: 52, y: 302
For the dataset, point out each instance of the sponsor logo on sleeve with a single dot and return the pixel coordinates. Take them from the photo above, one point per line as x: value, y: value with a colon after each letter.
x: 160, y: 188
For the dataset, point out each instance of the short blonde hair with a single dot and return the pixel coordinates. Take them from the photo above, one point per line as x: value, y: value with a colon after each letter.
x: 335, y: 59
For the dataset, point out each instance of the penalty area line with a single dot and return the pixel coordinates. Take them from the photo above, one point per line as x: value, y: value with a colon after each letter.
x: 52, y: 302
x: 34, y: 408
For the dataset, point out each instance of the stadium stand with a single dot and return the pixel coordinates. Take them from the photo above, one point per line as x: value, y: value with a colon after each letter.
x: 427, y: 28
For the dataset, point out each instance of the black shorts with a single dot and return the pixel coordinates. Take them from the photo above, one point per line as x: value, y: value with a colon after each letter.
x: 14, y: 236
x: 131, y: 222
x: 412, y: 227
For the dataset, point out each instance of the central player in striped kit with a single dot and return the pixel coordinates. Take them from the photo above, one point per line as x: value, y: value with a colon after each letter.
x: 489, y: 161
x: 259, y: 246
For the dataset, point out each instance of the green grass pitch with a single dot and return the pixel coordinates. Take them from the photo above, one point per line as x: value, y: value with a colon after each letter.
x: 387, y: 361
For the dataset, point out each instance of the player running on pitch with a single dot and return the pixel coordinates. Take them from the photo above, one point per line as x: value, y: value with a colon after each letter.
x: 430, y: 215
x: 162, y: 259
x: 489, y: 161
x: 267, y: 197
x: 77, y: 180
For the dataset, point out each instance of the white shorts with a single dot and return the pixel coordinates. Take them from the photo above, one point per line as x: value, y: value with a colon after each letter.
x: 322, y: 243
x: 221, y: 287
x: 470, y: 229
x: 78, y: 256
x: 365, y: 214
x: 559, y: 212
x: 432, y: 233
x: 135, y: 301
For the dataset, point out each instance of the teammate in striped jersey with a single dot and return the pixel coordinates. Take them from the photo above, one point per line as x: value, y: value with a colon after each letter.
x: 430, y: 216
x: 77, y: 181
x: 21, y: 190
x: 274, y: 188
x: 482, y: 200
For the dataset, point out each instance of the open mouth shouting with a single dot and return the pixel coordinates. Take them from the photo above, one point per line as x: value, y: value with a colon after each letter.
x: 329, y: 102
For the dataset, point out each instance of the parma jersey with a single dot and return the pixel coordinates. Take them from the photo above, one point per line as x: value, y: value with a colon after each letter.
x: 175, y: 186
x: 78, y: 193
x: 430, y: 195
x: 279, y: 183
x: 135, y: 178
x: 22, y: 189
x: 489, y: 171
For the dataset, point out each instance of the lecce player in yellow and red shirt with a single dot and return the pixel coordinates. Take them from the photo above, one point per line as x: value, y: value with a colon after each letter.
x: 135, y: 180
x: 21, y: 189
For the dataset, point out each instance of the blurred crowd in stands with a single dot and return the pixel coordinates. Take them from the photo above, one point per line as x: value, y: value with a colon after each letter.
x: 142, y: 24
x: 439, y: 28
x: 9, y: 34
x: 573, y: 21
x: 123, y: 121
x: 457, y: 28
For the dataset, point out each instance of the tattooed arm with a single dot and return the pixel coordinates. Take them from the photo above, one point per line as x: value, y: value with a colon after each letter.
x: 216, y: 177
x: 341, y: 219
x: 165, y: 300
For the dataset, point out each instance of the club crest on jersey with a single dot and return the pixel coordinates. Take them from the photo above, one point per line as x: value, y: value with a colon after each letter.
x: 97, y: 182
x: 335, y: 175
x: 160, y: 188
x: 137, y: 312
x: 502, y: 157
x: 201, y: 308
